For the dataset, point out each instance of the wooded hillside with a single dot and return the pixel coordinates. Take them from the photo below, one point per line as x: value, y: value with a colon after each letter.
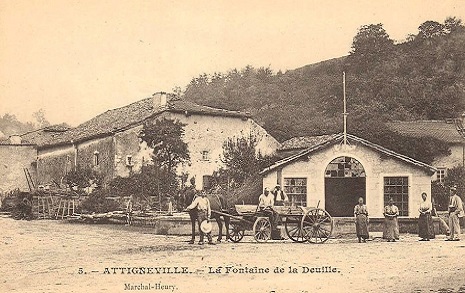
x: 421, y: 77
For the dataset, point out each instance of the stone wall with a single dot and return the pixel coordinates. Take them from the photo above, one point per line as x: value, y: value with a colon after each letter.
x: 179, y: 224
x: 104, y: 149
x: 124, y: 152
x: 203, y: 133
x: 208, y: 133
x: 54, y: 163
x: 14, y: 159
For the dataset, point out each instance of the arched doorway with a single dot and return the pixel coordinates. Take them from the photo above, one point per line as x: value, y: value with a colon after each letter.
x: 345, y: 182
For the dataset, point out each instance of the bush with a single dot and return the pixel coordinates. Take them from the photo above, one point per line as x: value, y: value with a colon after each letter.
x: 82, y: 178
x: 440, y: 191
x: 98, y: 203
x: 21, y: 208
x: 440, y: 195
x: 248, y: 192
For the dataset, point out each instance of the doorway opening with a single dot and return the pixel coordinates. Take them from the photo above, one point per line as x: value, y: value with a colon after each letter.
x: 345, y: 182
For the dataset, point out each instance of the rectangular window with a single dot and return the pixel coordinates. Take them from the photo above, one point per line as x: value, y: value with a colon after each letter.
x: 205, y: 155
x: 129, y: 161
x: 397, y: 189
x: 96, y: 159
x: 441, y: 174
x: 296, y: 190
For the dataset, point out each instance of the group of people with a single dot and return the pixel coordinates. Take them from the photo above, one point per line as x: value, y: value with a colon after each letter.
x: 199, y: 207
x: 425, y: 220
x: 200, y: 210
x: 391, y: 224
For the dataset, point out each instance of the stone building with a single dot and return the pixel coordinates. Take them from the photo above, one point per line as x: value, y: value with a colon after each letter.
x: 325, y: 172
x: 450, y: 131
x: 109, y: 143
x: 16, y: 161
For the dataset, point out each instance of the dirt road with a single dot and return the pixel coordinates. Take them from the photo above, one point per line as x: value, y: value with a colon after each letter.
x: 53, y: 256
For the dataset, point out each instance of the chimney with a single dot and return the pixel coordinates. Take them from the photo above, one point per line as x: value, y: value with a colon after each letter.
x: 160, y: 101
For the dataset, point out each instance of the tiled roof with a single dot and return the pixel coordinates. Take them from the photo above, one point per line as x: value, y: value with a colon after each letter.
x: 304, y: 142
x: 446, y: 130
x: 119, y: 119
x: 44, y: 135
x: 337, y: 138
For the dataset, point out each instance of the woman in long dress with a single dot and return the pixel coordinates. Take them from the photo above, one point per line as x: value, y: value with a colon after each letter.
x: 391, y: 225
x: 361, y: 221
x: 425, y: 221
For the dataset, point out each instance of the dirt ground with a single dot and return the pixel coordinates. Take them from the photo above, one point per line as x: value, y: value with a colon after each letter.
x: 54, y: 256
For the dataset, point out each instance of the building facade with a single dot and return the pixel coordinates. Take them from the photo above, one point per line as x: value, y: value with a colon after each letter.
x: 331, y: 175
x: 450, y: 131
x: 110, y: 145
x: 17, y: 160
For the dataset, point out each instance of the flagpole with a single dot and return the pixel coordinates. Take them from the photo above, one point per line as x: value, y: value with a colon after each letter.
x: 345, y: 106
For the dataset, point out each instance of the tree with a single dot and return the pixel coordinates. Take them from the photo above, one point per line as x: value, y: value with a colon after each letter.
x: 452, y: 24
x: 370, y: 41
x: 242, y: 160
x: 41, y: 121
x: 240, y: 157
x: 165, y: 138
x: 431, y: 29
x: 9, y: 125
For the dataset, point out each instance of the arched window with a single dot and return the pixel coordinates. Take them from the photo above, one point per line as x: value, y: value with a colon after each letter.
x: 345, y: 167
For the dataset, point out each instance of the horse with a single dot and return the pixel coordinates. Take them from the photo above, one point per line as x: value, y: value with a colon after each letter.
x: 218, y: 203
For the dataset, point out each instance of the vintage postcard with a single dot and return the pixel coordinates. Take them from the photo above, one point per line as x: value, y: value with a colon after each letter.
x: 232, y: 146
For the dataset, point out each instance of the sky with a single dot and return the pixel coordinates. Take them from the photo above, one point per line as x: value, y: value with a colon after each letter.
x: 77, y: 59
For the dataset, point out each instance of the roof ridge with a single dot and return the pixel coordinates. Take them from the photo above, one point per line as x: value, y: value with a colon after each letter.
x: 423, y: 120
x: 212, y: 108
x: 114, y: 109
x: 356, y: 139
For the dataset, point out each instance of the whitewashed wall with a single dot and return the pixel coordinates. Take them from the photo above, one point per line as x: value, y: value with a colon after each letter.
x: 376, y: 167
x: 202, y: 133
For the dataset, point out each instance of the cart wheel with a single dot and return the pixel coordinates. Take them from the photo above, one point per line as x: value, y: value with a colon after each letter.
x: 262, y: 230
x: 317, y: 225
x: 293, y: 229
x: 236, y: 232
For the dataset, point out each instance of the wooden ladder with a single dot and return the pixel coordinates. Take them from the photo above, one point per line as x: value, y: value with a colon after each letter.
x: 66, y: 208
x: 30, y: 182
x: 44, y: 207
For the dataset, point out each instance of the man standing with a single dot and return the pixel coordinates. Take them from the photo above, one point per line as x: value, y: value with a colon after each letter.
x: 455, y: 211
x: 280, y: 197
x: 202, y: 204
x: 189, y: 195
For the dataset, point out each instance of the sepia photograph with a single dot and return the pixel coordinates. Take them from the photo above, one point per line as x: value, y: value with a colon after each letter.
x: 232, y: 146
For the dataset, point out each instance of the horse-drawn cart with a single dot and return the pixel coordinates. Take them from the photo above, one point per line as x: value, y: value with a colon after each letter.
x: 302, y: 224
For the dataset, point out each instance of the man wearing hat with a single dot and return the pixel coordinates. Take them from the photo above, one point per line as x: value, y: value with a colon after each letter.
x: 202, y: 204
x: 455, y: 211
x: 280, y: 197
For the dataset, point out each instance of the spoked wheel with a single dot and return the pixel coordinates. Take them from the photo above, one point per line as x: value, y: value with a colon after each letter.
x: 262, y: 230
x: 317, y: 225
x: 236, y: 232
x: 293, y: 229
